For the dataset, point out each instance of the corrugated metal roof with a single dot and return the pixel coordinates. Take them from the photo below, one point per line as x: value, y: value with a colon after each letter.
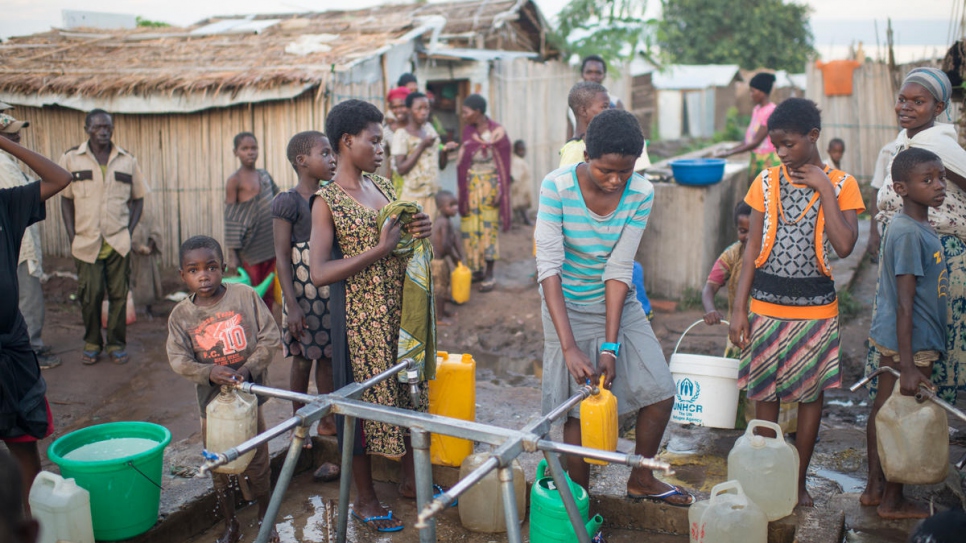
x: 480, y: 55
x: 694, y: 76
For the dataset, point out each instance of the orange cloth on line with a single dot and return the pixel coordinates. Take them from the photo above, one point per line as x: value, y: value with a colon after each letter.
x: 837, y: 76
x: 848, y: 197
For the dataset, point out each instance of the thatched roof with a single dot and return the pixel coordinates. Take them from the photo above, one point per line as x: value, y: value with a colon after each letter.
x: 289, y: 49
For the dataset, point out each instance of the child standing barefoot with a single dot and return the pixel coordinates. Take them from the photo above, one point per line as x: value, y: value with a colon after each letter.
x: 446, y: 248
x: 790, y: 342
x: 223, y: 335
x: 913, y: 281
x: 589, y: 225
x: 367, y: 284
x: 305, y: 312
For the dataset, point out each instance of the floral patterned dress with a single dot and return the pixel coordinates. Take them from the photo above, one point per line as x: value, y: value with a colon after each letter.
x: 373, y: 309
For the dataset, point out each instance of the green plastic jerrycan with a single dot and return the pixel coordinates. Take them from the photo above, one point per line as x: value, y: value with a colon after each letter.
x: 549, y: 522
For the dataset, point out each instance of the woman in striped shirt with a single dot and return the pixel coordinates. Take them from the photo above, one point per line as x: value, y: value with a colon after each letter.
x: 589, y: 225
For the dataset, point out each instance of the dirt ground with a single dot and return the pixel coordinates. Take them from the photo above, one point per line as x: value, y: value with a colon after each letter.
x: 504, y: 332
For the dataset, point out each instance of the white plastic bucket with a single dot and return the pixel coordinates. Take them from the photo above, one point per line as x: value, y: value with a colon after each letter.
x: 706, y: 388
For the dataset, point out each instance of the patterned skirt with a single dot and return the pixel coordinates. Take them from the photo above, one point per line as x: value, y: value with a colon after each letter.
x: 948, y: 373
x: 480, y: 229
x: 316, y: 340
x: 790, y: 360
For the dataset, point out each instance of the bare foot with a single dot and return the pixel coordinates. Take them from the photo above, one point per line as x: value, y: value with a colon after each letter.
x: 658, y: 491
x: 804, y: 498
x: 326, y: 426
x: 232, y: 532
x: 872, y: 495
x: 444, y: 321
x: 407, y: 490
x: 903, y: 509
x: 327, y: 472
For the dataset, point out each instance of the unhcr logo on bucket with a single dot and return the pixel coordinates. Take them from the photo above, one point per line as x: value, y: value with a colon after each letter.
x: 688, y: 390
x: 686, y: 409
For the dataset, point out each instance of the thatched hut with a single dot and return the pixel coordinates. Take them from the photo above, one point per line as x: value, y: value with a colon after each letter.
x: 180, y: 94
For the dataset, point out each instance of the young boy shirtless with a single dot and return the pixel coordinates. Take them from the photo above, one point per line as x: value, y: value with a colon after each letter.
x: 446, y: 243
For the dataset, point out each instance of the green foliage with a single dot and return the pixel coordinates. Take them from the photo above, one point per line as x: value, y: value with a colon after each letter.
x: 690, y: 299
x: 733, y: 130
x: 142, y: 22
x: 613, y: 29
x: 849, y: 307
x: 751, y: 33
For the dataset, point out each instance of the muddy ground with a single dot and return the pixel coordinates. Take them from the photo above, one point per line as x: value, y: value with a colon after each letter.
x: 503, y: 330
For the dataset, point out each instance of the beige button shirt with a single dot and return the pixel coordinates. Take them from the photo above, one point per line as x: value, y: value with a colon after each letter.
x: 30, y: 252
x: 101, y: 211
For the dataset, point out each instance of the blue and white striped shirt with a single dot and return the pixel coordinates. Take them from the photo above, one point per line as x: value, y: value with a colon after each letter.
x: 583, y: 248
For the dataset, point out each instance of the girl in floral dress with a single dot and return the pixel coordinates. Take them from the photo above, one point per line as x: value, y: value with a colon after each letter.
x: 350, y: 251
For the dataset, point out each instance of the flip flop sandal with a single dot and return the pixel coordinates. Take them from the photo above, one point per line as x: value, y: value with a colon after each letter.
x: 369, y: 520
x: 89, y: 358
x: 487, y: 286
x: 438, y: 491
x: 119, y: 357
x: 663, y: 496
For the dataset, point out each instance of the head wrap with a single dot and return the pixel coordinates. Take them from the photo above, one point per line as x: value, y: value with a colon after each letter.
x: 398, y: 93
x: 762, y: 81
x: 476, y: 102
x: 934, y: 80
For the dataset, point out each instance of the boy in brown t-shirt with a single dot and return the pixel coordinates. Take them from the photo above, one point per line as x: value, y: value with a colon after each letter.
x: 221, y: 335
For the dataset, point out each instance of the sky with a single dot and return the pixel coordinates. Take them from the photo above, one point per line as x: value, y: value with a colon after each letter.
x: 835, y: 22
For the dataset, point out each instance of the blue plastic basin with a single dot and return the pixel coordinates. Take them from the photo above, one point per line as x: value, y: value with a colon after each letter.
x: 698, y: 171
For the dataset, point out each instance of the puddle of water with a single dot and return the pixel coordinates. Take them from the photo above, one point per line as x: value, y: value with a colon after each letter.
x: 849, y: 483
x: 509, y: 370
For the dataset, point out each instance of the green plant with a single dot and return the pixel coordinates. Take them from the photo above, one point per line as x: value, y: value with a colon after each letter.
x: 690, y: 299
x: 733, y: 130
x: 614, y: 29
x: 142, y: 22
x: 751, y: 33
x: 849, y: 307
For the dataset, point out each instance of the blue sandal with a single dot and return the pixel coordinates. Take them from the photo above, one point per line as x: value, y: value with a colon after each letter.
x: 369, y: 520
x: 663, y: 496
x: 438, y: 491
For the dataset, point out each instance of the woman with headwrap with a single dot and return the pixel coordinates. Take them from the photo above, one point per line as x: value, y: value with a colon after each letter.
x: 756, y: 136
x: 396, y: 117
x: 923, y: 97
x: 483, y: 175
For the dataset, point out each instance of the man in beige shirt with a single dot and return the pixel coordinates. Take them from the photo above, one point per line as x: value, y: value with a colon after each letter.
x: 101, y: 207
x: 30, y: 266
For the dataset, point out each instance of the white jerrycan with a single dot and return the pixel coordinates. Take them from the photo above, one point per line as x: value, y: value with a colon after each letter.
x: 232, y: 419
x: 727, y: 517
x: 62, y: 508
x: 913, y: 440
x: 767, y: 468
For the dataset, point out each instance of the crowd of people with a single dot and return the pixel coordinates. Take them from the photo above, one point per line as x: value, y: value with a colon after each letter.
x: 358, y: 243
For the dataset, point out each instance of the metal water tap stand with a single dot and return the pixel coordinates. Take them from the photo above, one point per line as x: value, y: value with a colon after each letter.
x: 509, y: 444
x: 922, y: 395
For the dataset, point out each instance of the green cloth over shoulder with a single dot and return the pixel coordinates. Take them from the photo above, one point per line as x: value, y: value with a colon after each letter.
x: 417, y: 331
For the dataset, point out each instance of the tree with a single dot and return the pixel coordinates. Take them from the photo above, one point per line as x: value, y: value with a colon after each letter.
x: 752, y: 33
x: 613, y: 29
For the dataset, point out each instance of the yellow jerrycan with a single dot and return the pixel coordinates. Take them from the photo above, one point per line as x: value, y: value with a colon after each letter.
x: 232, y: 419
x: 460, y: 280
x: 913, y: 440
x: 452, y: 394
x: 598, y: 422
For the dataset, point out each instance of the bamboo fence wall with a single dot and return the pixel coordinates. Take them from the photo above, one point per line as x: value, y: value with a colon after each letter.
x: 186, y: 158
x: 530, y: 100
x: 866, y: 120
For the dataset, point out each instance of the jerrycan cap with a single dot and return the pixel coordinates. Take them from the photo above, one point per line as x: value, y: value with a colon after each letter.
x: 757, y: 442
